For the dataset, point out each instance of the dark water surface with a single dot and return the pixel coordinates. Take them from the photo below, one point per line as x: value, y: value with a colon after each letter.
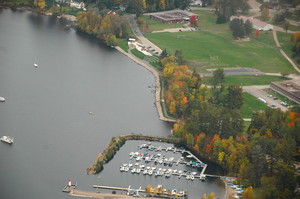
x: 47, y: 108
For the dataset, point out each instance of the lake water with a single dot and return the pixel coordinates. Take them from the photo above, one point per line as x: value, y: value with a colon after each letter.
x: 47, y: 109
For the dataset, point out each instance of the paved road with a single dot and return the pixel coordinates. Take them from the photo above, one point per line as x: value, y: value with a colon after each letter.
x: 140, y: 36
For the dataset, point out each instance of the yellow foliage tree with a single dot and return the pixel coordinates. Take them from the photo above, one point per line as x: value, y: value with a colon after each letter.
x: 212, y: 195
x: 173, y: 107
x: 221, y: 156
x: 168, y: 71
x: 168, y: 61
x: 248, y: 193
x: 143, y: 2
x: 148, y: 189
x: 162, y: 4
x: 39, y: 3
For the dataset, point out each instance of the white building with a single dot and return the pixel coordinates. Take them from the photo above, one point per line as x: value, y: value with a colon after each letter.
x: 256, y: 24
x: 77, y: 4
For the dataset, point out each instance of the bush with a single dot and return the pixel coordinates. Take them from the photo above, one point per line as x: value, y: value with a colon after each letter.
x: 221, y: 19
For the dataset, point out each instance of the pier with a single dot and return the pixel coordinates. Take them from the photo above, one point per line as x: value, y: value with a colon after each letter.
x: 116, y: 188
x: 135, y: 192
x: 68, y: 188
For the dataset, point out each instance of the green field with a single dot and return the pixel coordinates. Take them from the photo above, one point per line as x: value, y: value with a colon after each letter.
x: 251, y: 104
x: 291, y: 27
x: 154, y: 25
x: 247, y: 80
x: 138, y: 54
x: 213, y: 46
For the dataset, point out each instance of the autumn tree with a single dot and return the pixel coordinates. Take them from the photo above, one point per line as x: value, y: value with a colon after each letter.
x: 41, y: 4
x: 257, y: 33
x: 148, y: 189
x: 193, y: 20
x: 248, y: 193
x: 162, y: 4
x: 265, y: 14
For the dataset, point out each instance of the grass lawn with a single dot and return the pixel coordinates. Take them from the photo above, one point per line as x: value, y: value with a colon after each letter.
x: 247, y: 80
x: 154, y: 25
x: 213, y: 46
x: 123, y: 43
x: 291, y: 27
x: 138, y: 54
x: 251, y: 104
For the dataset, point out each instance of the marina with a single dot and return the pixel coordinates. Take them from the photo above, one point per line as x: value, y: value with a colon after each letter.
x: 149, y: 164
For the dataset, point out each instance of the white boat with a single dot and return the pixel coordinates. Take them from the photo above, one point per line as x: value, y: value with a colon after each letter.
x: 192, y: 177
x: 7, y: 139
x: 2, y: 99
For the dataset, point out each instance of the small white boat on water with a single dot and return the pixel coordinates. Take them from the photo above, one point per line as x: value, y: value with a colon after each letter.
x: 2, y: 99
x: 35, y: 63
x: 7, y: 139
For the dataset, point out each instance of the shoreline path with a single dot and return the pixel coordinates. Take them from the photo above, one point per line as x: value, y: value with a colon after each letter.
x: 158, y: 99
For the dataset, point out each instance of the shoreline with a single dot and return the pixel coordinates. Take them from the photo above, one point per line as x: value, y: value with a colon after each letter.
x: 157, y: 84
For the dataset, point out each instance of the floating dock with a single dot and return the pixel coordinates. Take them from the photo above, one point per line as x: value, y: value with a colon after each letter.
x: 68, y: 188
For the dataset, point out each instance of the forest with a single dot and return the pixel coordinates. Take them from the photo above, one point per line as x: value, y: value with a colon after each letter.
x: 261, y: 156
x: 106, y: 28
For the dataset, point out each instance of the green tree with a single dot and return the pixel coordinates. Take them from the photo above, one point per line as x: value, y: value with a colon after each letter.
x: 136, y: 7
x: 234, y: 97
x: 286, y: 26
x: 112, y: 40
x: 248, y: 28
x: 179, y: 57
x: 218, y: 77
x: 163, y: 54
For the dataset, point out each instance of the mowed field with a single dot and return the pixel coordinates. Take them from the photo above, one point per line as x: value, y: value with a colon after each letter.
x: 214, y: 47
